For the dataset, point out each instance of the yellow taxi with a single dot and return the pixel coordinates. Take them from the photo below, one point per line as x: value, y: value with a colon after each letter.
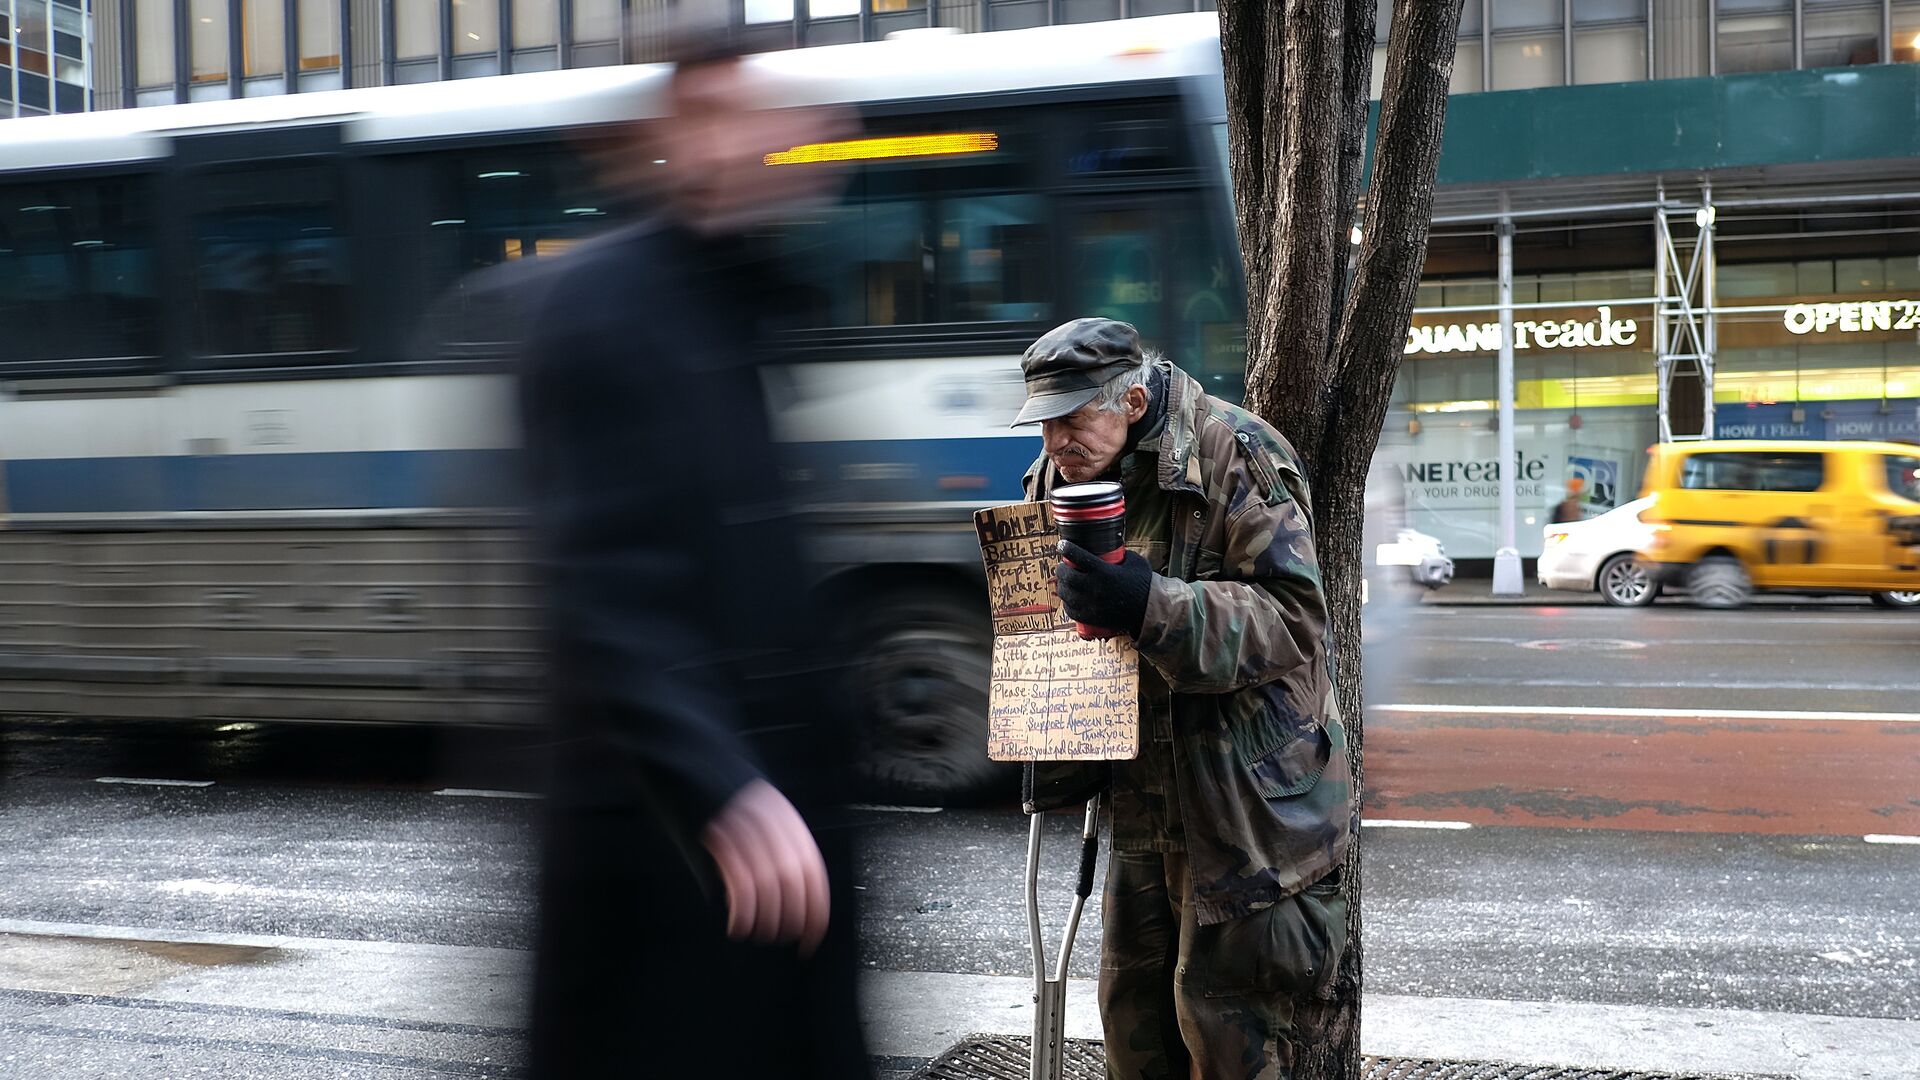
x: 1733, y: 516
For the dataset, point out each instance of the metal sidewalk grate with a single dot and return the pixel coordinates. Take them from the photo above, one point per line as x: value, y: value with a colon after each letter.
x: 1004, y: 1057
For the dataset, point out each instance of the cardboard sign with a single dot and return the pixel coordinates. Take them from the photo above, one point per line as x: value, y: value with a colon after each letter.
x: 1053, y: 695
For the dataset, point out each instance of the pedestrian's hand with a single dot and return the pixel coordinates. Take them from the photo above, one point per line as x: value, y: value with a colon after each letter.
x: 1104, y: 594
x: 775, y: 879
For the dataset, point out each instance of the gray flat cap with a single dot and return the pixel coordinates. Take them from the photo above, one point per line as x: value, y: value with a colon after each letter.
x: 1066, y: 368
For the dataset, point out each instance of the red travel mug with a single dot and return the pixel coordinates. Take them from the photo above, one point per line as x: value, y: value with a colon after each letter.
x: 1093, y: 516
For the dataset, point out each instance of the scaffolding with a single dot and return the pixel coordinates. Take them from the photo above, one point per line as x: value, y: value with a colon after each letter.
x: 1683, y: 316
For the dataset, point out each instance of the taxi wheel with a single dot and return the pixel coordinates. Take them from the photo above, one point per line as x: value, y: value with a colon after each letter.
x: 1625, y: 581
x: 1720, y: 583
x: 1903, y: 600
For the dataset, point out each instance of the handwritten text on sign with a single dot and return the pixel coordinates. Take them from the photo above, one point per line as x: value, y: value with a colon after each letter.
x: 1054, y: 696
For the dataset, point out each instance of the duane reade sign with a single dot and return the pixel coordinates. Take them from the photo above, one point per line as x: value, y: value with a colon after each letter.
x: 1603, y: 331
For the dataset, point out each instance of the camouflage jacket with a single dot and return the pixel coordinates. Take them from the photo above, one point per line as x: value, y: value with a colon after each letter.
x: 1236, y: 629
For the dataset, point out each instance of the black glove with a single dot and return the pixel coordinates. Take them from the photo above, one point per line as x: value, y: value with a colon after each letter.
x: 1111, y: 596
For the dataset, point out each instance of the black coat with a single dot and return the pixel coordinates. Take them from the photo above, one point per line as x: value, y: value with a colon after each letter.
x: 677, y: 622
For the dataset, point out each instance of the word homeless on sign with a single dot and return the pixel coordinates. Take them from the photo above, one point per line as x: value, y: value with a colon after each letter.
x: 1602, y: 332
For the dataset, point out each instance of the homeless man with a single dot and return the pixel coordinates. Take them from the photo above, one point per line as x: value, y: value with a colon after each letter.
x: 1224, y: 913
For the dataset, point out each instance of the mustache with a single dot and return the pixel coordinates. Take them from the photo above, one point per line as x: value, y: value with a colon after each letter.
x: 1074, y: 451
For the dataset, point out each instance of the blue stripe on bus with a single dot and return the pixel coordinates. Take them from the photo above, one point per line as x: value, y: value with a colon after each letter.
x: 984, y: 471
x: 376, y: 480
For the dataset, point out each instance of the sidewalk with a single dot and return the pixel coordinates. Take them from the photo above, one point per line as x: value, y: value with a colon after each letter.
x: 87, y: 1001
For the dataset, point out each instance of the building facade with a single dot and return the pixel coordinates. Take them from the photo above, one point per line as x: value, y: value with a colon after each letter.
x: 1711, y: 208
x: 44, y: 55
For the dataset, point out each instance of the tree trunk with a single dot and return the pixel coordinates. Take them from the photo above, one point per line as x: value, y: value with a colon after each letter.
x: 1323, y: 344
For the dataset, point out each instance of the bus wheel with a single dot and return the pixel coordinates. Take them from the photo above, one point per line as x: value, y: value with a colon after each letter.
x: 918, y: 663
x: 1904, y: 600
x: 1719, y: 582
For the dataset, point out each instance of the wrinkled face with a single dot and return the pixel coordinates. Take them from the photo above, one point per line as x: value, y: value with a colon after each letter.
x: 1084, y: 444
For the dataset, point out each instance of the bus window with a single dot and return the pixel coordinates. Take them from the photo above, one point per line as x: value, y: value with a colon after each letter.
x: 958, y: 239
x: 992, y: 264
x: 76, y: 271
x: 270, y: 262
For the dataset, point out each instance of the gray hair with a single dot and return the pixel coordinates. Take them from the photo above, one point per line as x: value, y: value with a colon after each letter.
x: 1112, y: 394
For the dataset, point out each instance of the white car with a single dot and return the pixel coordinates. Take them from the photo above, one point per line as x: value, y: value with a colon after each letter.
x: 1601, y: 553
x: 1424, y: 557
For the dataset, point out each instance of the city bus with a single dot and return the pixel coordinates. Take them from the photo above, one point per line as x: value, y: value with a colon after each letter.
x: 244, y: 476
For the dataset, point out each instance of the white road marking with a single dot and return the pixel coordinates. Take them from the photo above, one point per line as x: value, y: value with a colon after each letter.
x: 1890, y: 838
x: 885, y: 809
x: 1398, y: 823
x: 1617, y: 712
x: 151, y: 782
x: 483, y: 793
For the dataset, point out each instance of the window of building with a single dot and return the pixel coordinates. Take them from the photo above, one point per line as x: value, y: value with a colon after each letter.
x: 270, y: 262
x: 1734, y: 282
x: 1842, y: 37
x: 33, y: 41
x: 829, y: 9
x: 1466, y: 68
x: 1074, y: 11
x: 319, y: 34
x: 263, y: 37
x: 1903, y: 476
x: 416, y: 29
x: 1755, y: 35
x: 1906, y: 32
x: 153, y: 42
x: 1527, y: 61
x: 534, y: 23
x: 1525, y: 14
x: 76, y: 271
x: 69, y: 32
x: 1609, y: 54
x: 207, y: 39
x: 1745, y: 471
x: 476, y: 26
x: 599, y: 20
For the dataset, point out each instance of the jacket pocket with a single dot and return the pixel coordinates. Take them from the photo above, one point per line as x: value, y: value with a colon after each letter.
x: 1283, y: 751
x: 1292, y: 767
x: 1293, y: 947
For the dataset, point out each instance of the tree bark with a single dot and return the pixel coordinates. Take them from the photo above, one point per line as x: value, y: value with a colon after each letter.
x: 1323, y: 348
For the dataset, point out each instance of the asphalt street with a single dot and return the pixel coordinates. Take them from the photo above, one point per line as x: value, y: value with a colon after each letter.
x: 356, y: 902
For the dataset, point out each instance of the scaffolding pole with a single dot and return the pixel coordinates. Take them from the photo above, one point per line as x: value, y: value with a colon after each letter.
x: 1683, y: 317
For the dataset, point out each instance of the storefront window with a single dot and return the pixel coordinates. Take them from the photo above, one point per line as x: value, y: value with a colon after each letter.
x: 1903, y: 477
x: 207, y: 34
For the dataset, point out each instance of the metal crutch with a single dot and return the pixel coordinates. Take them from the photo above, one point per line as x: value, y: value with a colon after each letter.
x: 1050, y: 994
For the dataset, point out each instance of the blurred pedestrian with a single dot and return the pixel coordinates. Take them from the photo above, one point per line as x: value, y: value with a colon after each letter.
x: 696, y: 915
x: 1224, y: 914
x: 1573, y: 507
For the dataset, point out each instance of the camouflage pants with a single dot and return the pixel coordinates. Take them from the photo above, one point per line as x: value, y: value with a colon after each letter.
x: 1218, y: 1002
